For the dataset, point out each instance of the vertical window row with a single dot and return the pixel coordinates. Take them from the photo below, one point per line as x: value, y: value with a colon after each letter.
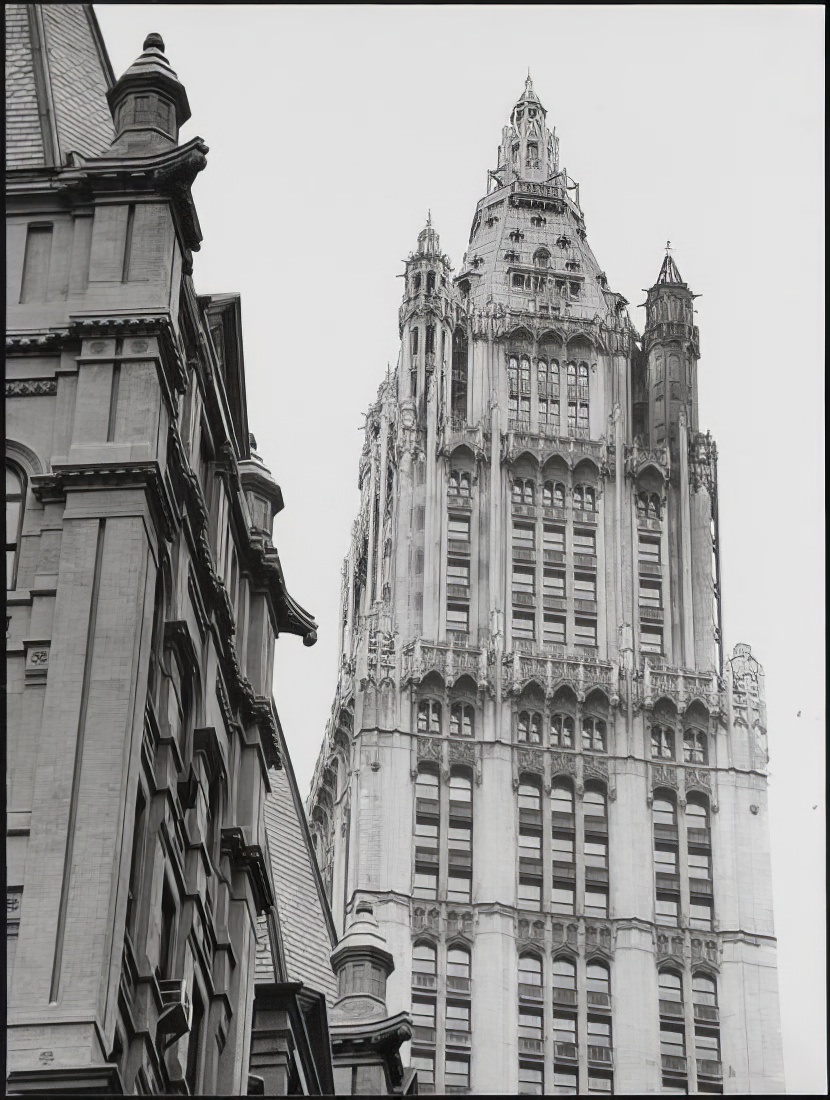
x: 458, y: 557
x: 592, y: 1008
x: 547, y: 375
x: 427, y: 827
x: 441, y: 998
x: 671, y: 849
x: 518, y: 375
x: 650, y: 572
x: 431, y: 840
x: 15, y: 497
x: 704, y: 1039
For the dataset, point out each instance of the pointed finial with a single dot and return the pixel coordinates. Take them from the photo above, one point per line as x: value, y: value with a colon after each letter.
x: 668, y: 247
x: 429, y: 217
x: 528, y: 82
x: 153, y: 41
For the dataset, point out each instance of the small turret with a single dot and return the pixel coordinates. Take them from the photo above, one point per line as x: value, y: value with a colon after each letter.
x: 362, y: 963
x: 529, y: 151
x: 148, y: 103
x: 670, y: 342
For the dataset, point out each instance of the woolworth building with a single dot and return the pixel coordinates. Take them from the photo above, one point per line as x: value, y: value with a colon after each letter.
x: 543, y: 769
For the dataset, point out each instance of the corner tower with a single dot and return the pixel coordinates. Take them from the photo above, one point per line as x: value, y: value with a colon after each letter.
x: 537, y: 769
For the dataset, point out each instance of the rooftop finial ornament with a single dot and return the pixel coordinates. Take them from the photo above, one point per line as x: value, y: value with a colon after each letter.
x: 153, y: 41
x: 429, y: 217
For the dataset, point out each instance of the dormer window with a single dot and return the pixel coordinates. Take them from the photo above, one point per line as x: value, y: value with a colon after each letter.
x: 431, y: 282
x: 516, y: 235
x: 563, y: 241
x: 541, y: 258
x: 417, y: 283
x: 511, y: 256
x: 537, y: 221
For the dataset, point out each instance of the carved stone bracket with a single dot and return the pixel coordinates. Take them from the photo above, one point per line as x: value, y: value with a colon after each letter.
x: 250, y: 859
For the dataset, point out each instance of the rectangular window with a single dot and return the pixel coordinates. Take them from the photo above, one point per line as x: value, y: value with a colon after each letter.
x: 562, y: 846
x: 665, y: 860
x: 458, y: 1015
x: 424, y: 1063
x: 524, y: 579
x: 524, y: 625
x: 524, y: 535
x: 531, y: 1079
x: 650, y: 594
x: 553, y: 538
x: 423, y: 1012
x: 458, y: 527
x: 571, y: 417
x: 554, y: 629
x: 666, y: 907
x: 651, y: 639
x: 585, y: 632
x: 585, y: 542
x: 585, y: 586
x: 564, y: 1028
x: 458, y: 888
x: 700, y: 913
x: 600, y: 1083
x: 530, y: 845
x: 564, y: 1082
x: 554, y: 583
x: 425, y: 884
x: 530, y: 893
x: 458, y: 571
x: 458, y: 617
x: 700, y: 865
x: 562, y: 898
x: 649, y: 549
x: 457, y: 1073
x: 596, y: 853
x: 596, y: 902
x: 672, y: 1041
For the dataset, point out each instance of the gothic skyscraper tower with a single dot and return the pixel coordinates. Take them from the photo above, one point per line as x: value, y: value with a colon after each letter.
x: 540, y: 768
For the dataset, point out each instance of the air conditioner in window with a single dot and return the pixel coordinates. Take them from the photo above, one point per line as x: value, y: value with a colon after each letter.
x: 176, y: 1010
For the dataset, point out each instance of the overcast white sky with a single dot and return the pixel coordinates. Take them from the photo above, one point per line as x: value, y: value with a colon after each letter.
x: 332, y: 130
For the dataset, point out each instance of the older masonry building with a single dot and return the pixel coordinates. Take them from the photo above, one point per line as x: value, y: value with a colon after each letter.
x: 541, y: 768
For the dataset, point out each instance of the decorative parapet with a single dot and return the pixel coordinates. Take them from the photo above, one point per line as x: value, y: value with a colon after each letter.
x: 450, y: 662
x: 637, y: 458
x: 570, y: 449
x: 681, y: 686
x: 581, y: 673
x: 454, y: 434
x: 686, y: 947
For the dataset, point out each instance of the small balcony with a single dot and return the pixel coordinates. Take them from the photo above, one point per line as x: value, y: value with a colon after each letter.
x: 551, y: 512
x: 524, y: 599
x: 524, y: 553
x: 531, y: 1046
x: 674, y: 1009
x: 528, y: 510
x: 586, y: 561
x: 586, y: 606
x: 564, y: 996
x: 597, y: 999
x: 652, y: 614
x: 457, y: 984
x: 458, y: 591
x: 647, y: 523
x: 458, y: 1039
x: 459, y: 503
x: 651, y: 568
x: 553, y: 557
x: 565, y: 1052
x: 581, y: 516
x: 424, y: 981
x: 706, y: 1013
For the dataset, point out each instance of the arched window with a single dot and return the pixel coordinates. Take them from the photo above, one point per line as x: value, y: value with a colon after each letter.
x: 530, y: 970
x: 663, y: 812
x: 562, y: 731
x: 430, y: 282
x: 424, y: 959
x: 564, y: 978
x: 462, y: 720
x: 585, y: 498
x: 429, y: 716
x: 458, y: 967
x: 599, y: 984
x: 426, y: 785
x: 694, y: 747
x: 458, y: 483
x: 697, y: 816
x: 594, y: 802
x: 529, y: 727
x: 15, y: 497
x: 417, y: 288
x: 561, y: 798
x: 662, y: 742
x: 582, y: 380
x: 530, y: 797
x: 524, y: 491
x: 541, y: 257
x: 705, y: 997
x: 593, y: 735
x: 459, y: 375
x: 670, y: 987
x: 571, y: 378
x: 653, y: 506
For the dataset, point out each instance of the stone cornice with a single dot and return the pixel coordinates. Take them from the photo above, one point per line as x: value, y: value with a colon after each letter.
x: 146, y: 475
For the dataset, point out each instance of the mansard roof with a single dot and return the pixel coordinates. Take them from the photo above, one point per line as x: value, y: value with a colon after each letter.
x: 306, y: 926
x: 57, y: 77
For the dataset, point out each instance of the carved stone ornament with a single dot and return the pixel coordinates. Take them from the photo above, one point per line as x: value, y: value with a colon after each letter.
x: 669, y: 944
x: 32, y: 387
x: 429, y: 748
x: 461, y: 752
x: 561, y: 762
x: 664, y: 775
x: 530, y: 760
x: 698, y: 777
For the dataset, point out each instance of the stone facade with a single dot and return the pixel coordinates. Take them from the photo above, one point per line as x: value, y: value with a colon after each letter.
x: 144, y: 595
x: 540, y: 768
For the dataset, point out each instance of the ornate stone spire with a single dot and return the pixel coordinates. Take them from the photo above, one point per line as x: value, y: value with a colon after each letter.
x: 669, y: 272
x: 529, y: 150
x: 148, y: 103
x: 428, y: 242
